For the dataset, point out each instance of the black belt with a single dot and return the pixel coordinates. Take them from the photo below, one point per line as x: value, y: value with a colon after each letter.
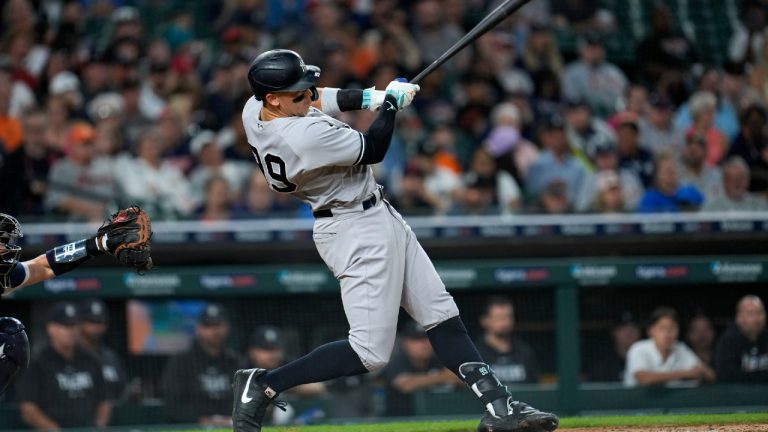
x: 370, y: 202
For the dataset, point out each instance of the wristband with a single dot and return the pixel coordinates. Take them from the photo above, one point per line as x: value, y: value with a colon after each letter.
x: 67, y: 257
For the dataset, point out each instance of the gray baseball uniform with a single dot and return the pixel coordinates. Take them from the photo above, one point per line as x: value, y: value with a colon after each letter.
x: 371, y: 251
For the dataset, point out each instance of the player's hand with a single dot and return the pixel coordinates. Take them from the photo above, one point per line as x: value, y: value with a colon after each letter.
x: 372, y: 98
x: 403, y: 92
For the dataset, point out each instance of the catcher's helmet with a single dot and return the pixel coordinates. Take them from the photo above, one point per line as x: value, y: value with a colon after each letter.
x: 281, y: 70
x: 14, y: 350
x: 10, y: 232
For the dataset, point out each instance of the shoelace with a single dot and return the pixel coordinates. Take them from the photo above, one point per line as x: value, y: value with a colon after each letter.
x: 280, y: 404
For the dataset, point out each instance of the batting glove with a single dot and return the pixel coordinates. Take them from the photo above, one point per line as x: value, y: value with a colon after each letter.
x: 403, y: 92
x: 372, y: 98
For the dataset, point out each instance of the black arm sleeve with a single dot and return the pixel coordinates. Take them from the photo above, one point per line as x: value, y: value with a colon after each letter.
x: 349, y: 99
x: 379, y: 134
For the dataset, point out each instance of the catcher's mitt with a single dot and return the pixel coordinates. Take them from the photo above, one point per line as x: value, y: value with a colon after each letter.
x: 126, y: 235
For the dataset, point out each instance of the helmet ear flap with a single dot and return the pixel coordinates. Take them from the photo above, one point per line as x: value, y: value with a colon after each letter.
x: 315, y: 95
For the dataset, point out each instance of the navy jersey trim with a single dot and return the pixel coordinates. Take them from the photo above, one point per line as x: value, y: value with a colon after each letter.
x: 362, y: 147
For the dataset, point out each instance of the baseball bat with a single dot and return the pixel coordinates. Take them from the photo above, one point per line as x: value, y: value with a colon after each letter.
x: 496, y: 16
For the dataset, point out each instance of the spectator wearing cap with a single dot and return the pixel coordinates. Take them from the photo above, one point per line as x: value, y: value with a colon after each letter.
x: 608, y: 196
x: 222, y: 93
x: 657, y: 130
x: 662, y: 359
x: 24, y: 173
x: 592, y: 79
x: 513, y: 360
x: 693, y: 170
x: 488, y: 190
x: 211, y: 163
x: 439, y: 186
x: 557, y: 165
x: 154, y: 183
x: 604, y: 160
x: 667, y: 195
x: 413, y: 368
x: 736, y: 196
x: 78, y: 188
x: 266, y: 350
x: 93, y: 325
x: 666, y: 53
x: 609, y: 366
x: 66, y: 86
x: 750, y: 145
x: 632, y: 157
x: 63, y: 386
x: 585, y: 130
x: 197, y: 383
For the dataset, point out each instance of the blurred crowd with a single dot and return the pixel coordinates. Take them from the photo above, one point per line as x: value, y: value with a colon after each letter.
x: 75, y: 379
x: 105, y: 103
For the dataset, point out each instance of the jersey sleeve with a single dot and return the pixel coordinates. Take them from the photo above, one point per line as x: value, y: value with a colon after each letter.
x: 323, y: 143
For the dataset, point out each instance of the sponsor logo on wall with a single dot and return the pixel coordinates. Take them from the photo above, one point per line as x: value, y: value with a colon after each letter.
x: 224, y: 281
x: 59, y: 285
x: 730, y: 271
x: 302, y: 280
x: 665, y: 271
x: 593, y: 274
x: 152, y: 284
x: 520, y: 274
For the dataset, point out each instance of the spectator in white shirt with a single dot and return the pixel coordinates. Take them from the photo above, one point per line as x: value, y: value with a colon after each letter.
x: 155, y: 184
x: 662, y: 359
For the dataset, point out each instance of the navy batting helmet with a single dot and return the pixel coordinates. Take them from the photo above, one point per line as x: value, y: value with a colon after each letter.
x: 281, y: 70
x: 10, y: 232
x: 14, y: 350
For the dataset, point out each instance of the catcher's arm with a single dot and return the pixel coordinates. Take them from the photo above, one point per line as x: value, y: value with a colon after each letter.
x: 126, y: 236
x: 54, y: 262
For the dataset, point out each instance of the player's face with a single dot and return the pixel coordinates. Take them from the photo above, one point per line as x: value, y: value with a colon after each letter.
x: 295, y: 103
x: 212, y: 335
x: 664, y: 333
x: 751, y: 318
x: 266, y: 358
x: 499, y: 321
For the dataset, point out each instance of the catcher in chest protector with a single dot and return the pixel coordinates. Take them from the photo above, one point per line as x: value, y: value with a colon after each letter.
x: 126, y: 236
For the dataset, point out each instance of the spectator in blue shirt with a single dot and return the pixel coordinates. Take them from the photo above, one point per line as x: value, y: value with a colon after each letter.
x: 667, y: 195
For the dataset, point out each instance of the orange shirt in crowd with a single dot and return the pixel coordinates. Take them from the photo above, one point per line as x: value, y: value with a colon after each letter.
x: 10, y: 133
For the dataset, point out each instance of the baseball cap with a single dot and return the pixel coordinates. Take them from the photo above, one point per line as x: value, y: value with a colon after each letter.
x: 64, y: 82
x: 553, y: 122
x: 200, y: 140
x: 94, y: 310
x: 412, y: 330
x: 607, y: 179
x: 80, y: 133
x: 213, y: 314
x: 658, y: 100
x: 267, y: 337
x: 627, y: 118
x: 125, y: 14
x: 64, y: 313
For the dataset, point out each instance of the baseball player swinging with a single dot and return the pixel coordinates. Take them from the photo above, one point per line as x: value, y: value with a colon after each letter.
x: 365, y: 242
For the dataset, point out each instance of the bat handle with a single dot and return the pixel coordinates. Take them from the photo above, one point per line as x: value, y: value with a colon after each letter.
x: 401, y: 79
